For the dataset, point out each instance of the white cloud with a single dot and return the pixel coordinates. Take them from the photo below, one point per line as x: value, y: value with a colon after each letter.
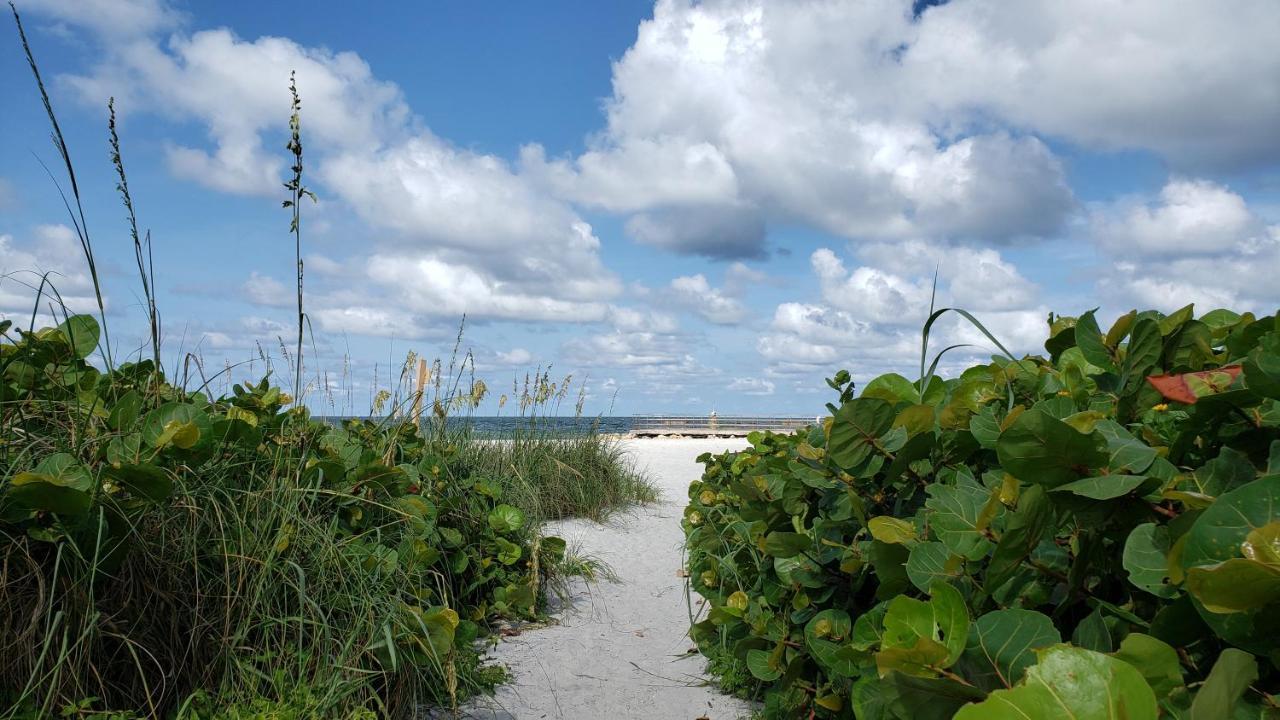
x: 53, y: 252
x: 751, y: 386
x: 727, y: 113
x: 695, y: 294
x: 1196, y: 242
x: 117, y: 18
x: 266, y: 290
x: 1145, y: 74
x: 1191, y: 217
x: 459, y: 232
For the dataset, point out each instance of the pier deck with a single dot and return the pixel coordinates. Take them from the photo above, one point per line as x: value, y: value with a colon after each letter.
x: 707, y: 426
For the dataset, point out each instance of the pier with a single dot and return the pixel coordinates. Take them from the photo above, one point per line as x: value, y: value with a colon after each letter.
x: 714, y: 425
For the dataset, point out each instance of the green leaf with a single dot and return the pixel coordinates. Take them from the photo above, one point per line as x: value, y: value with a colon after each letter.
x: 892, y: 530
x: 1092, y: 633
x: 1218, y: 535
x: 1156, y: 660
x: 1023, y: 531
x: 930, y: 562
x: 506, y: 519
x: 1042, y: 450
x: 893, y: 388
x: 177, y: 424
x: 146, y: 481
x: 1103, y: 487
x: 37, y: 491
x: 952, y: 618
x: 855, y: 429
x: 1071, y: 684
x: 1146, y: 559
x: 1002, y: 645
x: 1231, y: 675
x: 82, y: 333
x: 1089, y: 340
x: 760, y: 664
x: 1234, y: 585
x: 1128, y: 453
x: 1142, y: 354
x: 1262, y: 367
x: 125, y: 411
x: 954, y: 517
x: 786, y: 544
x: 828, y: 636
x: 1263, y: 544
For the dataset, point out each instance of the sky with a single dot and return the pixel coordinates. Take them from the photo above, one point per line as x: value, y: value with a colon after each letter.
x: 687, y: 206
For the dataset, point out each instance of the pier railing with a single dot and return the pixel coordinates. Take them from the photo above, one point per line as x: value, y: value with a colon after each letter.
x: 707, y: 425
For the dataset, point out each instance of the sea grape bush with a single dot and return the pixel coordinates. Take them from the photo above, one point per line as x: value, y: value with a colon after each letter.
x: 1089, y: 533
x: 103, y: 470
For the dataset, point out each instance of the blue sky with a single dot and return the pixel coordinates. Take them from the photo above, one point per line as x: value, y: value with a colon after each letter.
x: 695, y: 206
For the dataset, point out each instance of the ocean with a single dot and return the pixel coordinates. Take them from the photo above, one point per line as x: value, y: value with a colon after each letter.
x: 552, y: 425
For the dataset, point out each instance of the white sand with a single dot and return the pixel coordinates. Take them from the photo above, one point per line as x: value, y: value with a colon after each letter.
x: 620, y: 651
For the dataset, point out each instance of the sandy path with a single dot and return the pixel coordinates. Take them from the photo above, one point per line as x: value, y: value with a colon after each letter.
x: 616, y: 652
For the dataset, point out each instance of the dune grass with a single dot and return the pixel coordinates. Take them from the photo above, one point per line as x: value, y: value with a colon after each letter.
x: 169, y: 552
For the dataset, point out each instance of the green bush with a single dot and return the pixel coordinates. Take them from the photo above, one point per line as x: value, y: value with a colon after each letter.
x: 156, y: 542
x: 1092, y: 533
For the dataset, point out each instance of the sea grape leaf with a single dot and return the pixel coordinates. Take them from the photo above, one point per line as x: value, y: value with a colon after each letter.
x: 1023, y: 531
x: 82, y: 333
x: 893, y: 388
x: 920, y: 658
x: 1234, y: 585
x: 1262, y: 366
x: 892, y: 530
x: 905, y: 620
x: 1092, y: 633
x: 828, y: 635
x: 1089, y: 340
x: 1155, y: 659
x: 1071, y: 683
x: 147, y: 481
x: 925, y: 698
x: 1231, y: 675
x: 1187, y: 388
x: 762, y: 665
x: 1042, y: 450
x: 954, y: 517
x: 856, y: 428
x: 951, y: 617
x: 1218, y: 534
x: 1103, y: 487
x: 929, y: 562
x: 506, y: 519
x: 1002, y: 644
x: 124, y: 413
x: 1228, y: 471
x: 1263, y: 544
x: 1128, y: 453
x: 1142, y: 353
x: 180, y: 424
x: 1146, y: 559
x: 786, y: 544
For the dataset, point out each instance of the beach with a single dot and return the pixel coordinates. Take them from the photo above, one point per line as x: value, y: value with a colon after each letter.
x: 620, y: 649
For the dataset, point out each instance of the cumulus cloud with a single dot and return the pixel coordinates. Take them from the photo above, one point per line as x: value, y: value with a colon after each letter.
x: 456, y: 231
x: 751, y: 386
x: 266, y: 290
x: 1190, y: 217
x: 726, y: 114
x: 1197, y: 241
x: 1147, y: 74
x: 694, y: 294
x: 52, y: 251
